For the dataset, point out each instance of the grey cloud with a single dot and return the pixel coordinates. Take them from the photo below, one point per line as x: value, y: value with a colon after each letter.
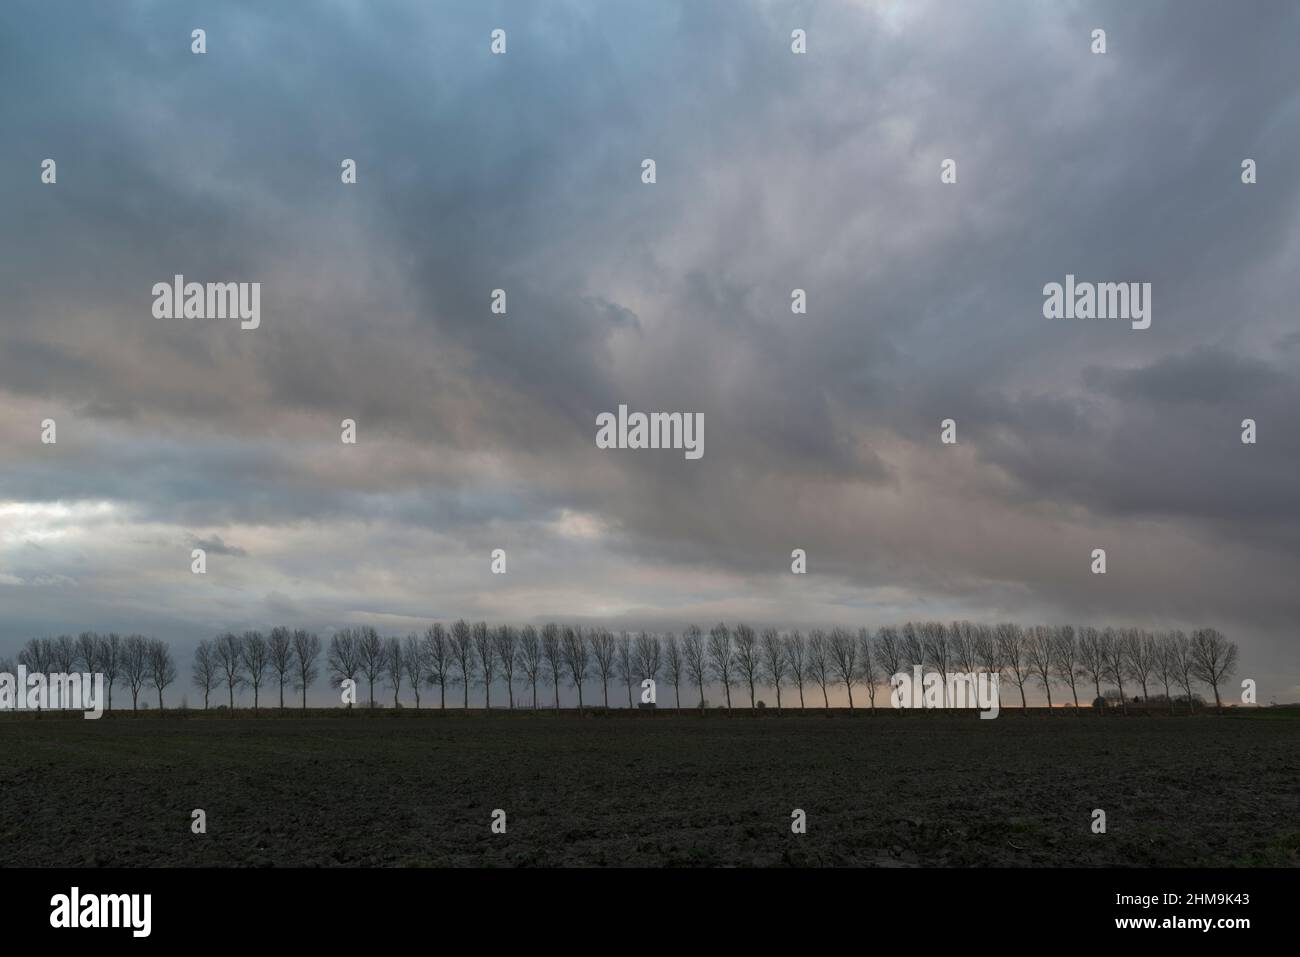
x: 215, y: 546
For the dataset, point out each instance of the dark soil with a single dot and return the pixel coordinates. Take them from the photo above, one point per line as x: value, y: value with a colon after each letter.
x: 400, y: 789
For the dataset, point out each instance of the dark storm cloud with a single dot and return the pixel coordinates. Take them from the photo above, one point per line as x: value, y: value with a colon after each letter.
x: 216, y: 546
x: 522, y: 172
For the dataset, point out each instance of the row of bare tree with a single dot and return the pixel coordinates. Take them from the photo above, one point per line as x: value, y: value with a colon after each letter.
x: 465, y: 654
x: 255, y: 660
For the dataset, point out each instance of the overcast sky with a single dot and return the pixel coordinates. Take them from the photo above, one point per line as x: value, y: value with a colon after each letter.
x: 775, y: 171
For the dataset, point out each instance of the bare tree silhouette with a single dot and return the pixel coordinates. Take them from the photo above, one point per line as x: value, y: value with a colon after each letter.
x: 1115, y: 653
x: 624, y: 662
x: 462, y: 655
x: 204, y: 670
x: 394, y: 667
x: 577, y: 657
x: 934, y: 641
x: 506, y: 642
x: 1092, y: 658
x: 842, y: 650
x: 344, y: 659
x: 162, y: 669
x: 1011, y: 652
x: 371, y: 656
x: 1166, y: 666
x: 1140, y: 649
x: 602, y: 652
x: 1214, y: 659
x: 674, y: 665
x: 88, y: 649
x: 279, y: 650
x: 1040, y: 651
x: 306, y: 651
x: 867, y: 666
x: 413, y: 663
x: 530, y: 657
x: 65, y: 654
x: 438, y: 659
x: 913, y: 646
x: 772, y: 655
x: 553, y: 656
x: 721, y: 660
x: 110, y: 662
x: 254, y: 654
x: 889, y: 655
x: 796, y: 656
x: 486, y: 659
x: 1184, y: 665
x: 1065, y: 660
x: 648, y: 655
x: 696, y: 658
x: 37, y: 656
x: 135, y: 665
x: 748, y: 658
